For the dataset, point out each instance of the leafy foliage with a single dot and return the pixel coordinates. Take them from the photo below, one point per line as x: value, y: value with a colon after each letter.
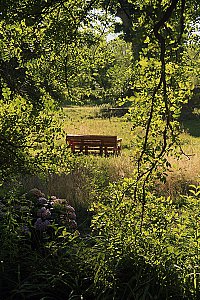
x: 142, y: 242
x: 29, y: 118
x: 37, y: 258
x: 161, y: 259
x: 161, y: 81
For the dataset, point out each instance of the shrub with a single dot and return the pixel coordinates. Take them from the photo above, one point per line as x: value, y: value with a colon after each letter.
x: 157, y: 258
x: 38, y: 248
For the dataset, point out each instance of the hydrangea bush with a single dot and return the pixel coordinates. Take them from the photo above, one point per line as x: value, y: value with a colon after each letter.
x: 48, y: 214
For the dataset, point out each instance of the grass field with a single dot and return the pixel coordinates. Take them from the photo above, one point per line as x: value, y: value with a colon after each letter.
x: 185, y: 170
x: 95, y: 172
x: 88, y: 120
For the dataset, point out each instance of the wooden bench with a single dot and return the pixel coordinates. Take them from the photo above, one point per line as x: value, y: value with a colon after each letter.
x: 94, y: 144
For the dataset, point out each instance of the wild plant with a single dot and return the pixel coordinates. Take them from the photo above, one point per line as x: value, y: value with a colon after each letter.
x: 39, y: 247
x: 161, y: 259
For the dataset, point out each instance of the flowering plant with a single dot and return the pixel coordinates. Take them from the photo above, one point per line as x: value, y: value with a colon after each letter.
x: 48, y: 212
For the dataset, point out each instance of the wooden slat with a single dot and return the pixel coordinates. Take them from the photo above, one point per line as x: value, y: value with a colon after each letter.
x: 89, y: 143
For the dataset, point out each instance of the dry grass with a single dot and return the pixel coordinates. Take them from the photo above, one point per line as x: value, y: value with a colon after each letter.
x: 185, y: 170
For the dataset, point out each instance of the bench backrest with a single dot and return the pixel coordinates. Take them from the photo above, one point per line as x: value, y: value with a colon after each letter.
x: 103, y: 140
x: 96, y: 144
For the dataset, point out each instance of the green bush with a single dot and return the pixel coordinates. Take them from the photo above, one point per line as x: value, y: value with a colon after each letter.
x: 154, y: 256
x: 39, y: 248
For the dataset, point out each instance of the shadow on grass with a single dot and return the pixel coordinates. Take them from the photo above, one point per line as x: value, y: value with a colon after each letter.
x: 192, y: 126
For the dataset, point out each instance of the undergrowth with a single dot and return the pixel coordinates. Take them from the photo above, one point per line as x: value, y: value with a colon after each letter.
x: 124, y: 256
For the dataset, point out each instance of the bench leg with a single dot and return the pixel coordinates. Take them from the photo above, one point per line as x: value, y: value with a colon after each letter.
x: 101, y: 150
x: 73, y: 147
x: 115, y: 152
x: 86, y: 150
x: 106, y: 151
x: 81, y: 147
x: 118, y: 150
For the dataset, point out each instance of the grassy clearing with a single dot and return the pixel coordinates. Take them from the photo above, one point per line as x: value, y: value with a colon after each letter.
x: 88, y: 120
x: 185, y: 170
x: 94, y: 173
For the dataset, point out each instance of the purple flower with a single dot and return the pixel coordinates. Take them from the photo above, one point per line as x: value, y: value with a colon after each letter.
x: 41, y: 225
x: 42, y: 200
x: 44, y: 213
x: 70, y: 208
x: 25, y: 229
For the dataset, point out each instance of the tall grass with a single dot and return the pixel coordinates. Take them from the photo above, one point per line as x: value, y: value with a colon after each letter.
x: 185, y: 170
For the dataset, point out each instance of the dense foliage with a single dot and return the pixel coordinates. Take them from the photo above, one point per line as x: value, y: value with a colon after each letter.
x: 140, y: 245
x: 29, y: 118
x: 122, y: 258
x: 156, y: 258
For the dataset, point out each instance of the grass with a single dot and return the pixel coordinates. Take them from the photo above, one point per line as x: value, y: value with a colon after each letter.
x: 93, y: 173
x: 185, y: 170
x: 192, y: 127
x: 88, y: 120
